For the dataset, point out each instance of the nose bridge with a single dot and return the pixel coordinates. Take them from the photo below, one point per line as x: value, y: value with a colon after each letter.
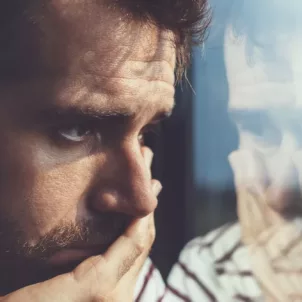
x: 130, y: 162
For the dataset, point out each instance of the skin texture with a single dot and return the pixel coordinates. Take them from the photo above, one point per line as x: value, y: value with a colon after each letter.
x: 103, y: 278
x: 265, y: 104
x: 73, y: 167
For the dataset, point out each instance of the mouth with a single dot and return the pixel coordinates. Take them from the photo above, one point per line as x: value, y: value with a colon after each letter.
x: 73, y: 255
x: 86, y: 246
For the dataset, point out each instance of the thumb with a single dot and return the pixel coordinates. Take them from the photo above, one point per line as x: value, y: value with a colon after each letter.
x: 96, y: 278
x: 251, y: 182
x: 136, y: 268
x: 249, y: 170
x: 103, y: 272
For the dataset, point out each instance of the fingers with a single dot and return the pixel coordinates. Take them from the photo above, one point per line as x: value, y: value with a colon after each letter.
x: 102, y: 273
x: 249, y: 169
x: 98, y: 278
x: 148, y: 156
x: 251, y: 182
x: 126, y: 255
x: 283, y: 195
x: 120, y: 255
x: 134, y: 271
x: 283, y: 245
x: 264, y: 273
x: 250, y: 187
x: 136, y: 268
x: 156, y: 187
x: 280, y: 282
x: 136, y: 241
x: 276, y: 258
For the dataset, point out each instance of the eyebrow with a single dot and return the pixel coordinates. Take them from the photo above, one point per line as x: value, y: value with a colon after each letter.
x: 53, y: 114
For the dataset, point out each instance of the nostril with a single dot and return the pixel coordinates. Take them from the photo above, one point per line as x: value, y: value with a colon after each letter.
x: 286, y: 201
x: 135, y: 203
x: 143, y: 208
x: 284, y: 191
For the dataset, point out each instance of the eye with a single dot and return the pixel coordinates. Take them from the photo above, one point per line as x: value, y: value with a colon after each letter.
x: 77, y: 133
x: 149, y: 134
x: 141, y: 139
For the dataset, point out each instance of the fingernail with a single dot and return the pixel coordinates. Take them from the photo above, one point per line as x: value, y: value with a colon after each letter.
x: 145, y: 221
x: 245, y: 165
x: 157, y: 187
x: 139, y: 225
x: 148, y: 156
x: 236, y: 162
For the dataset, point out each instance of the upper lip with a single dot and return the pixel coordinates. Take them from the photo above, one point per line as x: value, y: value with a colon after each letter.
x: 85, y: 246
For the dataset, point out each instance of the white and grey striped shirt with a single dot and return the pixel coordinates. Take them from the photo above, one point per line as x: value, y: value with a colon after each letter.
x: 211, y: 268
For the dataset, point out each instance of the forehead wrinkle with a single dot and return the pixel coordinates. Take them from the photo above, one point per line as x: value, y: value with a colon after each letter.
x: 127, y: 59
x: 160, y: 47
x: 67, y: 34
x: 159, y: 71
x: 101, y: 43
x: 148, y: 81
x: 123, y: 97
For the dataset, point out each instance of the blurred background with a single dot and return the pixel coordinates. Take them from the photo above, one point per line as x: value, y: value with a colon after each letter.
x: 191, y: 152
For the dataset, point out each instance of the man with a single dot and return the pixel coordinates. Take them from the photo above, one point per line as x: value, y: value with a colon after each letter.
x: 81, y: 83
x: 258, y: 259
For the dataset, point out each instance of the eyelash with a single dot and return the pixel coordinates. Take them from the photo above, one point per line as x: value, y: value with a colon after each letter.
x: 150, y: 131
x: 56, y: 133
x: 93, y: 131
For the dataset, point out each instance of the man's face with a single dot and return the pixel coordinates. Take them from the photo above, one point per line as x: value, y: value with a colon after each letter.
x: 72, y: 166
x: 265, y: 102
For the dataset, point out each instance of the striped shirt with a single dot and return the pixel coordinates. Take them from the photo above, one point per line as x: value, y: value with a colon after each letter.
x: 211, y: 268
x: 150, y: 286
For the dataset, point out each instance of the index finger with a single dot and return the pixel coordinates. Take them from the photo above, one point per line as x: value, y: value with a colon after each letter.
x: 120, y: 256
x: 137, y: 240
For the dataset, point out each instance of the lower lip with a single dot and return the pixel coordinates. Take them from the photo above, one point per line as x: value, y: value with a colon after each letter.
x: 72, y: 255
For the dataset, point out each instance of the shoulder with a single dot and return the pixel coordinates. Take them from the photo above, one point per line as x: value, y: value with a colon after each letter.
x: 214, y: 267
x: 216, y: 242
x: 150, y: 286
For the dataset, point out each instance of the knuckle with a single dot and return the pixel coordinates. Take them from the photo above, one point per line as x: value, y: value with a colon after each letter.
x: 145, y: 241
x: 152, y: 234
x: 101, y: 297
x: 138, y: 247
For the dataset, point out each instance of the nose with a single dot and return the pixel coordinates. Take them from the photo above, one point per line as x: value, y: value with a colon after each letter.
x: 284, y: 192
x: 124, y: 183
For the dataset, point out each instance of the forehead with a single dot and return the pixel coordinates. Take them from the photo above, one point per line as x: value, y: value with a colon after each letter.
x: 263, y: 56
x: 88, y: 32
x: 99, y: 58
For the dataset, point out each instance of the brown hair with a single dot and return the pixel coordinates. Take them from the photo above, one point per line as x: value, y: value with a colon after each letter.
x: 187, y: 19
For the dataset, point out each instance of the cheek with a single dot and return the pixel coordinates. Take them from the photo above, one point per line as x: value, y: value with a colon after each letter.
x: 16, y: 179
x: 39, y: 196
x: 58, y: 195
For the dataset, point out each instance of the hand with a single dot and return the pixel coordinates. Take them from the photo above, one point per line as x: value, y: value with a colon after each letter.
x: 274, y: 240
x: 108, y: 277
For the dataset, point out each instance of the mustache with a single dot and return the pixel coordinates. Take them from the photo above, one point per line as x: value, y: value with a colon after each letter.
x: 99, y: 232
